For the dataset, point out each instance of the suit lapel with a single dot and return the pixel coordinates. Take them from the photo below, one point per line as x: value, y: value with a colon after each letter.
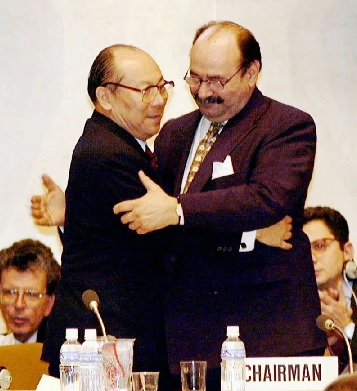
x: 229, y: 139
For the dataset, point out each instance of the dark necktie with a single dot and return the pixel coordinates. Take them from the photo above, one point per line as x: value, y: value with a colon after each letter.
x: 152, y: 158
x: 203, y: 148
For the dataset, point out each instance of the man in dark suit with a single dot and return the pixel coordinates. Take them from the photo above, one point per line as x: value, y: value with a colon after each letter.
x: 29, y: 276
x: 256, y: 172
x: 129, y: 94
x: 336, y: 274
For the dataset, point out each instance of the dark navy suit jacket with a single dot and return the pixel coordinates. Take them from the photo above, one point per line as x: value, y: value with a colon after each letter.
x: 101, y: 253
x: 269, y: 292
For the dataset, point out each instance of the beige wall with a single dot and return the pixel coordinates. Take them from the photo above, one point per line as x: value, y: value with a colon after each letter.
x: 47, y: 47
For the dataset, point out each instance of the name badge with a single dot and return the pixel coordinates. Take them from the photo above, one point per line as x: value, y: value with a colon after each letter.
x: 290, y: 373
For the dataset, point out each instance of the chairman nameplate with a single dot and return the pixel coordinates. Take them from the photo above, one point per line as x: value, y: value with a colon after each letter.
x: 290, y: 373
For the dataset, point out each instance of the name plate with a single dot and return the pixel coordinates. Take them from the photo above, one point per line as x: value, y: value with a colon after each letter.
x: 290, y: 373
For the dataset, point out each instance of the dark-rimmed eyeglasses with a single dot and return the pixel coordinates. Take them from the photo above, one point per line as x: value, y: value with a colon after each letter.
x: 149, y: 93
x: 216, y: 84
x: 321, y: 245
x: 31, y: 297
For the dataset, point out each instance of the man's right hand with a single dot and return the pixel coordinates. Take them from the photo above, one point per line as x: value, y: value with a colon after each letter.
x: 277, y: 235
x: 49, y: 208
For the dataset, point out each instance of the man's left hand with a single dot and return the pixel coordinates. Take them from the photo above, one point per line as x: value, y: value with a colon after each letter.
x: 153, y: 211
x: 334, y: 305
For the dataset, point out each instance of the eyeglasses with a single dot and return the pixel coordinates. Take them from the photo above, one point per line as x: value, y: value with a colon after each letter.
x: 321, y: 245
x: 31, y: 298
x: 149, y: 93
x: 215, y: 84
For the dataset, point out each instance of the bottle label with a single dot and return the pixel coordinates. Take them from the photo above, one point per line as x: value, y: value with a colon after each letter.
x: 232, y: 353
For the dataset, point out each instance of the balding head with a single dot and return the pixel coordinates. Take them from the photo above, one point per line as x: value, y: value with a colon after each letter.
x: 246, y: 42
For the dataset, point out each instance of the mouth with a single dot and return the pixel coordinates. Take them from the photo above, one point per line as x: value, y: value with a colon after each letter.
x: 19, y: 321
x: 155, y: 117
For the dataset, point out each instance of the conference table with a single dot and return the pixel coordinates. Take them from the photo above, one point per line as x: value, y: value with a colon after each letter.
x: 272, y: 374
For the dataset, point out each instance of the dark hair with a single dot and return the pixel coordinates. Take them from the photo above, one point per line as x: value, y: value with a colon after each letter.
x: 345, y: 382
x: 333, y: 219
x: 105, y: 69
x: 32, y: 255
x: 246, y: 41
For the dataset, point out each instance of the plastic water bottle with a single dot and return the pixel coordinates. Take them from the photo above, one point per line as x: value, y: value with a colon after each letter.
x: 233, y: 364
x: 91, y: 363
x: 69, y: 362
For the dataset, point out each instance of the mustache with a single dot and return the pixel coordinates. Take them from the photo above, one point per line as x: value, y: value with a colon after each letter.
x: 210, y: 99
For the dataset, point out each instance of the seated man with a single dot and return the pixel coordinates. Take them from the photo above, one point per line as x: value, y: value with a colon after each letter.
x: 29, y: 276
x: 332, y: 254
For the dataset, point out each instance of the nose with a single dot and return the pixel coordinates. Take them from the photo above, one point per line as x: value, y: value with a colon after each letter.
x: 159, y: 100
x: 204, y: 90
x: 20, y: 301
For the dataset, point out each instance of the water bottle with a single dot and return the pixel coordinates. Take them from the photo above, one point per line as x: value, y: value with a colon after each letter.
x: 91, y: 362
x: 233, y: 365
x: 69, y: 362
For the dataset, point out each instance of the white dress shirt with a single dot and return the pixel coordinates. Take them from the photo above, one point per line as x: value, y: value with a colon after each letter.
x: 248, y: 238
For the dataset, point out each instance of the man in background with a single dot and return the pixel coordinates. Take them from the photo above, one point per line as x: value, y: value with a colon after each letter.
x: 29, y: 276
x: 336, y: 274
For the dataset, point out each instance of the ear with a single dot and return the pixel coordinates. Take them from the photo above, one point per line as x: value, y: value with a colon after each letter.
x: 253, y: 73
x: 348, y: 251
x: 103, y: 97
x: 50, y: 302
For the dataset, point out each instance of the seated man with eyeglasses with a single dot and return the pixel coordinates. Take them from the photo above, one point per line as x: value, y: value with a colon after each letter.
x: 29, y: 276
x: 336, y: 274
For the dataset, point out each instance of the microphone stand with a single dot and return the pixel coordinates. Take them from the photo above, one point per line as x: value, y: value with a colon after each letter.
x: 94, y: 308
x: 349, y: 351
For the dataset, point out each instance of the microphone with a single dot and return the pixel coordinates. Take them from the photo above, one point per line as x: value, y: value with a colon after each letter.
x: 91, y: 301
x: 325, y: 323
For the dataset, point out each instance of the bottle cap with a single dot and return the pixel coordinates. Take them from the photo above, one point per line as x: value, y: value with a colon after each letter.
x: 72, y: 334
x: 5, y: 378
x: 90, y: 334
x: 232, y: 331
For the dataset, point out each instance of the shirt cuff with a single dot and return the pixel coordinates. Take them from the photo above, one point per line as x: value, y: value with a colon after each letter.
x: 179, y: 212
x: 247, y: 241
x: 349, y: 330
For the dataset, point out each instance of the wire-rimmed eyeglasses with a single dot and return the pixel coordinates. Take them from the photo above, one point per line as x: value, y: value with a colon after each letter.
x: 321, y: 245
x: 31, y: 297
x: 149, y: 93
x: 216, y: 84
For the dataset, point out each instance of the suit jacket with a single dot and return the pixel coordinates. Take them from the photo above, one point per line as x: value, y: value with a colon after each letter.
x: 102, y: 254
x: 270, y: 293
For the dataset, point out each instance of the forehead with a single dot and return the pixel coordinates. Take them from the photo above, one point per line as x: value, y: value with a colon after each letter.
x: 317, y: 229
x: 28, y: 279
x: 215, y: 51
x: 137, y: 67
